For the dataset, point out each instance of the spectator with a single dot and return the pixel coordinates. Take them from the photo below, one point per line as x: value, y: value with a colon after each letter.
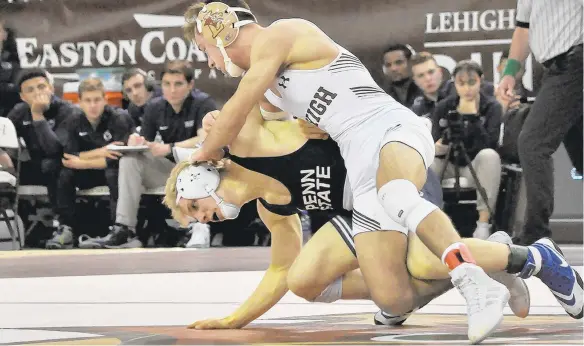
x: 428, y: 77
x: 478, y: 131
x: 448, y: 88
x: 396, y: 68
x: 9, y: 69
x: 87, y: 161
x: 552, y: 32
x: 177, y: 116
x: 138, y: 88
x: 38, y: 120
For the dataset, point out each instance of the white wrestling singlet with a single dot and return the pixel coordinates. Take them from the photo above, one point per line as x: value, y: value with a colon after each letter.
x: 342, y: 99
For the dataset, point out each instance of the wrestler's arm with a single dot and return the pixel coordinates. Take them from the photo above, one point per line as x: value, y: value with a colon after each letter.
x: 267, y: 58
x: 286, y: 244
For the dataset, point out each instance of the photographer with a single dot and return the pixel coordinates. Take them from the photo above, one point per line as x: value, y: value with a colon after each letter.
x: 467, y: 124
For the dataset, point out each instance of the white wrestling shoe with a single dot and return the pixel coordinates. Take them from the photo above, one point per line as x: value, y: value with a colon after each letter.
x: 520, y: 300
x: 485, y: 300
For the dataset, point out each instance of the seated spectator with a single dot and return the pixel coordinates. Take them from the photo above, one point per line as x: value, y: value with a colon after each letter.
x: 38, y: 121
x: 398, y: 81
x: 9, y: 69
x: 138, y: 88
x: 176, y: 116
x: 448, y: 88
x: 87, y: 161
x: 473, y: 119
x: 428, y: 77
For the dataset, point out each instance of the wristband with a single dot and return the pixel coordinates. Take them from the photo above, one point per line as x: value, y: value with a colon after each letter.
x: 511, y: 67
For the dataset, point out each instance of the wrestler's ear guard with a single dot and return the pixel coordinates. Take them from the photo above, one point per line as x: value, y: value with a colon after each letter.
x: 202, y: 181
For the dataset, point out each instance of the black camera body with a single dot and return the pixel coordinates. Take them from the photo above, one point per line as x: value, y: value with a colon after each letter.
x: 454, y: 125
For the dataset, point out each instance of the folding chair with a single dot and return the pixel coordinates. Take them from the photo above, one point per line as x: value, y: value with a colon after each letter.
x: 9, y: 183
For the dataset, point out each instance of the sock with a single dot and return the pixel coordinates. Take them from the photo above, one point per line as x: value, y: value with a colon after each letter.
x: 457, y: 254
x: 518, y: 261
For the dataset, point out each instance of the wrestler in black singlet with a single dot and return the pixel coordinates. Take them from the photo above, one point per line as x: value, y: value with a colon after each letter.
x: 314, y: 174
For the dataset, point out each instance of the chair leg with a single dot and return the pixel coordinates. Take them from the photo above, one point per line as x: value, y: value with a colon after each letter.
x: 9, y: 225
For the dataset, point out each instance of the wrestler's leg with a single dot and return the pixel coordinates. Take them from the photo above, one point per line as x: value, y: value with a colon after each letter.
x: 423, y: 264
x: 403, y: 161
x: 323, y: 270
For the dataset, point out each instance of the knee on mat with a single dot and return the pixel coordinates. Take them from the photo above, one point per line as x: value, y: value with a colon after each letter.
x: 393, y: 300
x: 301, y: 284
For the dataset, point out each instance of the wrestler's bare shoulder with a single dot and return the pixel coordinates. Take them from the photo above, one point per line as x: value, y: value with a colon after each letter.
x: 297, y: 28
x: 309, y: 44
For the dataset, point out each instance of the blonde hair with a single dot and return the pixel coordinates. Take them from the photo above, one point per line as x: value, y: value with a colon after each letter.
x: 190, y: 26
x: 170, y: 191
x: 91, y: 84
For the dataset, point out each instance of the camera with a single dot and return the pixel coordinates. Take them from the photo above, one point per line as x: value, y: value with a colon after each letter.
x: 454, y: 125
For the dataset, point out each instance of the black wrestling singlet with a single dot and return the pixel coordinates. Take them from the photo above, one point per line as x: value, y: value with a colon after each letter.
x: 314, y: 174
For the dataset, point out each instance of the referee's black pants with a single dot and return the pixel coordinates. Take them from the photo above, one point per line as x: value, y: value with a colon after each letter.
x: 555, y: 117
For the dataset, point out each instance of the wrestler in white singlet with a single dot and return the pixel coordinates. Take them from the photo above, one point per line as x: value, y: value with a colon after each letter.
x: 343, y: 99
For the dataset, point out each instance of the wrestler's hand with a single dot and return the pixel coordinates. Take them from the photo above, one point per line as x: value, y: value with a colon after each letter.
x: 310, y: 131
x: 223, y: 323
x: 200, y: 156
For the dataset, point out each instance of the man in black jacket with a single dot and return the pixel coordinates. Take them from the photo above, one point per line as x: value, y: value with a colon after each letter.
x: 428, y: 77
x: 398, y: 81
x: 475, y: 118
x: 138, y: 88
x: 37, y: 121
x: 175, y: 117
x: 87, y: 161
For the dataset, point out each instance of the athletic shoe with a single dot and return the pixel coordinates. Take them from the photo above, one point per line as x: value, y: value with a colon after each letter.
x: 118, y: 235
x: 62, y: 238
x: 519, y: 302
x: 485, y: 300
x: 547, y: 262
x: 385, y: 319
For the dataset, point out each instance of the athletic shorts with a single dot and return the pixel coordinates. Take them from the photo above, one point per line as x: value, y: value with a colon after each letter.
x: 360, y: 150
x: 432, y: 192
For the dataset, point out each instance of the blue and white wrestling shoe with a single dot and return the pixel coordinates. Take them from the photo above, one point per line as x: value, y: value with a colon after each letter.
x: 547, y: 262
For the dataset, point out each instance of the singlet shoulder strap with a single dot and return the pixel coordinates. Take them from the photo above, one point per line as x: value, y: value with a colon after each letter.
x: 284, y: 210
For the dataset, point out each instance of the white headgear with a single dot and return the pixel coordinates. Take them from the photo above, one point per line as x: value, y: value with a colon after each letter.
x: 202, y: 181
x: 219, y: 24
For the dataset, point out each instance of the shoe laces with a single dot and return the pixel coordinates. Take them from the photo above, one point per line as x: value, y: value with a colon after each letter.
x: 471, y: 292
